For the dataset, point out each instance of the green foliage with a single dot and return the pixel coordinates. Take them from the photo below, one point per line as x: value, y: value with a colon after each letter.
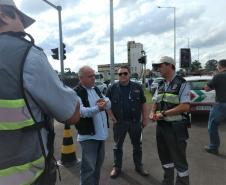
x: 148, y: 95
x: 195, y: 65
x: 211, y: 65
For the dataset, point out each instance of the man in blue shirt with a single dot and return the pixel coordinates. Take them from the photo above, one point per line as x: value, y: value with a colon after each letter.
x: 92, y: 127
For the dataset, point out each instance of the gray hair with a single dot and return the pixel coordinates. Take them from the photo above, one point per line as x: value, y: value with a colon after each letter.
x: 82, y: 70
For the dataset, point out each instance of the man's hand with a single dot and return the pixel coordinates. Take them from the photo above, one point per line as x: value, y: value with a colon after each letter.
x: 144, y: 122
x: 155, y: 117
x: 76, y: 116
x: 101, y: 103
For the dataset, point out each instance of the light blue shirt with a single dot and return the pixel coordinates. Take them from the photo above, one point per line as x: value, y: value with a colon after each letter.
x: 42, y: 84
x: 99, y: 117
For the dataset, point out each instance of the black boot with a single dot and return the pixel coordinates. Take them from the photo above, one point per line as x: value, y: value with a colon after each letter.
x: 182, y: 180
x: 168, y: 176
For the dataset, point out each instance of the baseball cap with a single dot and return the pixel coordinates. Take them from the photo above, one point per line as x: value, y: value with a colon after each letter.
x: 26, y: 20
x: 165, y: 59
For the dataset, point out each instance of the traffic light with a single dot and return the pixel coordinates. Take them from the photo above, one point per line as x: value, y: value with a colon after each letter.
x: 143, y: 59
x: 64, y: 51
x: 55, y: 54
x: 185, y: 57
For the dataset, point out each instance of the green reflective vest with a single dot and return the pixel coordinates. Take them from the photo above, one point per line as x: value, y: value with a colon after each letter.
x: 169, y: 98
x: 21, y: 158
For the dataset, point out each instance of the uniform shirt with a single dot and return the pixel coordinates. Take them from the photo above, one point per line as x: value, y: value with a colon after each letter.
x: 184, y: 93
x: 218, y: 83
x: 43, y: 84
x: 99, y: 117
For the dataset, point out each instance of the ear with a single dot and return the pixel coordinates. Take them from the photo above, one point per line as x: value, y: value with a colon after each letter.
x: 4, y: 18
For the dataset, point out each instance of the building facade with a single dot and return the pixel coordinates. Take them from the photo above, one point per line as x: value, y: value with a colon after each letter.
x: 134, y: 53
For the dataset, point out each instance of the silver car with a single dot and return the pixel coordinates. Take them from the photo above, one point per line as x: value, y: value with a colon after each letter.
x: 155, y: 84
x: 102, y: 86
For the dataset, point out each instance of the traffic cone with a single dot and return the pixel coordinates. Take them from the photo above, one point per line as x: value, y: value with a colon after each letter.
x: 68, y: 155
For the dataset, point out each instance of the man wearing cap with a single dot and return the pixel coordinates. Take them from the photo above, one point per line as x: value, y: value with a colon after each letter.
x: 31, y: 95
x: 171, y: 102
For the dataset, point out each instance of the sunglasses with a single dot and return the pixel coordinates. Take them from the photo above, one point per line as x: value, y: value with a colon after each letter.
x: 124, y: 73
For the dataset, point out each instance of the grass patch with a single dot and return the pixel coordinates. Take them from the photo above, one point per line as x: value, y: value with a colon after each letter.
x: 148, y: 95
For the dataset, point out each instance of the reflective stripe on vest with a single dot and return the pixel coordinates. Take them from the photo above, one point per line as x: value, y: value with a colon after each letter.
x: 168, y: 98
x: 22, y: 175
x: 14, y: 115
x: 172, y: 99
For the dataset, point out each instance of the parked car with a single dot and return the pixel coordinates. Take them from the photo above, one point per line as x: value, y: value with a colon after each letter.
x: 102, y: 86
x: 201, y: 101
x: 136, y: 80
x: 155, y: 84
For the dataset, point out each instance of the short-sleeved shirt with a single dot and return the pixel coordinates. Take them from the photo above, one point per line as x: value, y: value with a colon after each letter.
x: 43, y: 84
x: 219, y: 84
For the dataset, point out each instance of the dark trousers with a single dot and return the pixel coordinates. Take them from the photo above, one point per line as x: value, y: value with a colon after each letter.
x: 171, y: 144
x: 135, y: 132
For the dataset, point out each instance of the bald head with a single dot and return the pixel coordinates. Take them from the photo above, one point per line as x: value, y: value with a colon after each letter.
x: 86, y: 76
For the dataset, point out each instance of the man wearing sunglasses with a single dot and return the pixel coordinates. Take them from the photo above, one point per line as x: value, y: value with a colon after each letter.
x: 128, y: 114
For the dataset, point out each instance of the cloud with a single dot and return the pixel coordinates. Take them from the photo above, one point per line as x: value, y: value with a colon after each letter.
x: 86, y: 27
x: 91, y: 53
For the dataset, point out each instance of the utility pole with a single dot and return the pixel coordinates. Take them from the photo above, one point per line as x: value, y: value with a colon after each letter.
x: 112, y: 65
x: 59, y: 9
x: 174, y: 27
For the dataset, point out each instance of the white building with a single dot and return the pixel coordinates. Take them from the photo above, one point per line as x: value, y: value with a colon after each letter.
x: 134, y: 53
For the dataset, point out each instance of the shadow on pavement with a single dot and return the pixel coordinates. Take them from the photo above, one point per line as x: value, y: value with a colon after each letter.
x: 132, y: 180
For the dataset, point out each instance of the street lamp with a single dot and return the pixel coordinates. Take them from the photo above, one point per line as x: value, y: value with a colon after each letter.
x: 174, y: 12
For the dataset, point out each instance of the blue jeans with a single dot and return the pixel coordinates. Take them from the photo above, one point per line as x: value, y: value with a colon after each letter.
x: 216, y: 116
x: 93, y: 152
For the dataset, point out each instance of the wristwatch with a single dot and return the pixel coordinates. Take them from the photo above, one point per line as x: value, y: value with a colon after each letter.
x: 163, y: 113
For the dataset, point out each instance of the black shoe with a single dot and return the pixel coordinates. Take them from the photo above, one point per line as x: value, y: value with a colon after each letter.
x: 115, y: 172
x: 211, y: 150
x: 141, y: 171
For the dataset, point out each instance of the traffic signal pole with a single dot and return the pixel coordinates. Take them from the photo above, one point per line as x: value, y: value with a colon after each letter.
x: 59, y: 9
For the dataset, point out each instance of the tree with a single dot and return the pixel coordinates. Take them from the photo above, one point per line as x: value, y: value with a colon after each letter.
x: 196, y: 66
x: 211, y: 65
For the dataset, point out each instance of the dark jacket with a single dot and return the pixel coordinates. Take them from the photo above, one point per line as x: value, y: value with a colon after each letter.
x: 137, y: 99
x: 85, y: 126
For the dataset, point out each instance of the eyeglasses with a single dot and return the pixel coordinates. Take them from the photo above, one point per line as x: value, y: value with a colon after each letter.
x: 91, y: 76
x: 124, y: 73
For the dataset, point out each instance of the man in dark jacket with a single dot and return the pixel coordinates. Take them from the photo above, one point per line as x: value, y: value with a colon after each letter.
x: 128, y: 114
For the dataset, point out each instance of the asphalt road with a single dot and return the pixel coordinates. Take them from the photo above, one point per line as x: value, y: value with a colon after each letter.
x: 205, y: 168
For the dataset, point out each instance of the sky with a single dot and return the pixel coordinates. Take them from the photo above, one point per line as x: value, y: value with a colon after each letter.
x: 200, y: 25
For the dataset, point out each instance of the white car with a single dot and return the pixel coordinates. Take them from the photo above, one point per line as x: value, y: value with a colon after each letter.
x: 102, y: 86
x: 201, y: 101
x: 155, y: 84
x: 136, y: 80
